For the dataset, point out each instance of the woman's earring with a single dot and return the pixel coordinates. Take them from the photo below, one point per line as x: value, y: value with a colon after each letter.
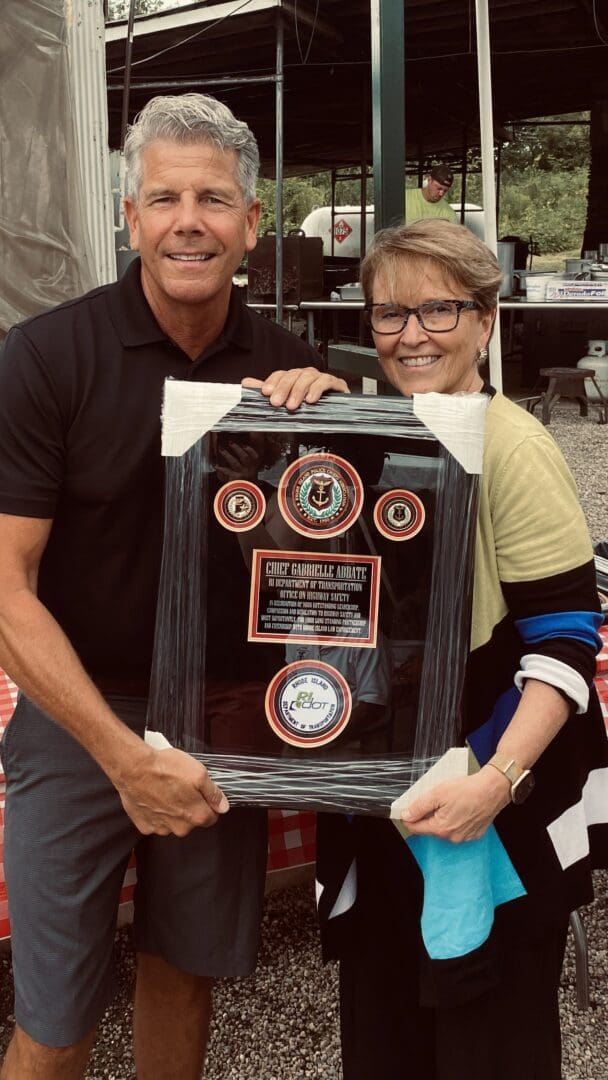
x: 482, y: 356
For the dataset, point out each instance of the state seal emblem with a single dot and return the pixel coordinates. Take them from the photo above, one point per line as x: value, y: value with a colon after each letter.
x: 239, y: 505
x: 320, y: 495
x: 308, y: 703
x: 399, y: 514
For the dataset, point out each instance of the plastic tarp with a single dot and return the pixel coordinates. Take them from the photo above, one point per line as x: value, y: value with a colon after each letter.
x: 44, y: 248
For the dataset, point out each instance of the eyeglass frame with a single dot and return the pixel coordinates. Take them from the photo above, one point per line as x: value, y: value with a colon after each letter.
x: 460, y: 305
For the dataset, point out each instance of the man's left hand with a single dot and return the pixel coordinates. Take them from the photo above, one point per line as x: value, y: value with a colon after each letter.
x: 291, y: 388
x: 459, y: 810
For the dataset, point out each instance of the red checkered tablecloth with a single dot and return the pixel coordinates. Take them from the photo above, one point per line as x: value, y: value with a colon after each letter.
x: 602, y: 656
x: 8, y: 697
x: 601, y: 678
x: 291, y: 835
x: 291, y: 839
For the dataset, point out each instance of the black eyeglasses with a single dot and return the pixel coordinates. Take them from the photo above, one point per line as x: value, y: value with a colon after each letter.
x: 436, y: 316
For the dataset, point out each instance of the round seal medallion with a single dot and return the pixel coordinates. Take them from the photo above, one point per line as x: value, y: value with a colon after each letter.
x: 308, y: 703
x: 320, y: 495
x: 239, y: 505
x: 399, y: 514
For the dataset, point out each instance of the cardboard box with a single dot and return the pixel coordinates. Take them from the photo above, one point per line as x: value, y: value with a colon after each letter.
x: 578, y: 290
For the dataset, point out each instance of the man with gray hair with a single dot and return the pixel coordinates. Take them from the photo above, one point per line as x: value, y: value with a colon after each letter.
x: 81, y: 504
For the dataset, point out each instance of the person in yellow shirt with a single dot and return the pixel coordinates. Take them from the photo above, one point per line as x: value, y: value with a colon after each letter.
x: 429, y: 201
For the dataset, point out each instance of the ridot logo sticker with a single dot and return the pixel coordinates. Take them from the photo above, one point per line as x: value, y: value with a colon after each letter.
x: 399, y: 514
x: 320, y: 495
x: 308, y: 703
x: 239, y: 505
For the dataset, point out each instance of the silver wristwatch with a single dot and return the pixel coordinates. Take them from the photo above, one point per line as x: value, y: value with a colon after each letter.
x: 521, y: 780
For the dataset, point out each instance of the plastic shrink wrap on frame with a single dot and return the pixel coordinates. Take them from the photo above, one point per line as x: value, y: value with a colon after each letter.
x: 315, y: 594
x: 44, y: 256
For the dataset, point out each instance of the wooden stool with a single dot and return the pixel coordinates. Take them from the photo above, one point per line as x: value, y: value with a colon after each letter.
x: 569, y: 383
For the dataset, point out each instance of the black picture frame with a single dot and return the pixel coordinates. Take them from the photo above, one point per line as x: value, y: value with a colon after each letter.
x: 242, y: 576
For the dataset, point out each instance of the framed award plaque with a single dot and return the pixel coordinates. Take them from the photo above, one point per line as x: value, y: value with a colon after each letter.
x: 315, y: 593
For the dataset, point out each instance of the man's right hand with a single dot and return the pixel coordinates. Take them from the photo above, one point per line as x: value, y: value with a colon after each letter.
x: 168, y: 792
x: 163, y: 791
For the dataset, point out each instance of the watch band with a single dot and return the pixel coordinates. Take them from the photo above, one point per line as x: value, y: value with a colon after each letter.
x: 521, y: 780
x: 506, y: 765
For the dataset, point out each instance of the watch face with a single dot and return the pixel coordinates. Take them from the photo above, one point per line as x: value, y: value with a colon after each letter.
x: 522, y: 787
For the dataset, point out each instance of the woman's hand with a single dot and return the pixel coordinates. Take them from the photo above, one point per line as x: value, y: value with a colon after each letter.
x: 459, y: 810
x: 291, y: 388
x: 463, y: 809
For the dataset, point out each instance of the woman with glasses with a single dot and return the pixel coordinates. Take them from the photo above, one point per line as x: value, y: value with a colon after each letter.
x: 428, y: 989
x: 492, y: 1011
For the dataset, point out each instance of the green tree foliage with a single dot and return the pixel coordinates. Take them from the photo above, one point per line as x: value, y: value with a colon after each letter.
x: 544, y: 175
x: 119, y: 9
x: 547, y: 148
x: 302, y: 194
x: 551, y: 207
x: 543, y: 191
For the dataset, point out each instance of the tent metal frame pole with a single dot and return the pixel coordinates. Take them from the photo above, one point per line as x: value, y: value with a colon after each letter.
x: 486, y: 127
x: 387, y: 25
x: 278, y: 97
x: 88, y: 84
x: 498, y: 182
x: 465, y: 161
x: 187, y: 84
x: 363, y: 177
x: 333, y: 211
x: 127, y: 79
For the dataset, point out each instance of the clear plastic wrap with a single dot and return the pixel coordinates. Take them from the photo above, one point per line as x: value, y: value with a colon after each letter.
x: 43, y: 242
x: 315, y: 594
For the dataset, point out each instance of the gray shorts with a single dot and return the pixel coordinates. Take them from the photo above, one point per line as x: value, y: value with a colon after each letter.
x: 67, y: 842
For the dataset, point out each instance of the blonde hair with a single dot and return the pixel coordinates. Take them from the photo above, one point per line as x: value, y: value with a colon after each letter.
x: 463, y: 260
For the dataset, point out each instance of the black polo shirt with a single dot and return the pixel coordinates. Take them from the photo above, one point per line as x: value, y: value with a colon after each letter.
x: 80, y: 402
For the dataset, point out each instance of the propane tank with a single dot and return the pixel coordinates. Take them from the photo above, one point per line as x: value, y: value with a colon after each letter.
x: 596, y: 360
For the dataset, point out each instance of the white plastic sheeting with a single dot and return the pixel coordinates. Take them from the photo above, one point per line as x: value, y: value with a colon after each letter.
x: 229, y: 697
x: 88, y: 70
x: 44, y: 251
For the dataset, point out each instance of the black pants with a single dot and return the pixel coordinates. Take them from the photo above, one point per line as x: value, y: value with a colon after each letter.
x: 402, y: 1018
x: 510, y: 1030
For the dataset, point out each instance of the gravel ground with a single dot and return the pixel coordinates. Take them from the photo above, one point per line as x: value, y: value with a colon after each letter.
x: 584, y: 444
x: 283, y: 1021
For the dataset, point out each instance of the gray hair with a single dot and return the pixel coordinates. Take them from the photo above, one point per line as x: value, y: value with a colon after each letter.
x: 460, y: 256
x: 191, y: 118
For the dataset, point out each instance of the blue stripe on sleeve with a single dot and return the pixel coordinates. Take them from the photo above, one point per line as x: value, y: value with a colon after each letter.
x: 484, y: 740
x: 577, y: 625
